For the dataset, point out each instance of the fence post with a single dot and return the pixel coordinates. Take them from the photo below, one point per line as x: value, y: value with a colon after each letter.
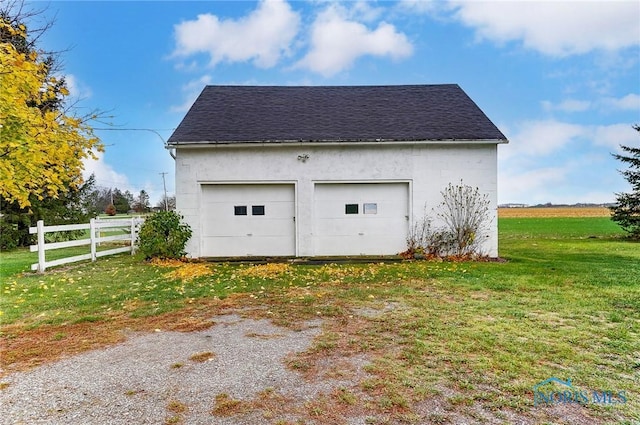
x: 132, y: 232
x: 41, y: 257
x: 97, y: 230
x: 92, y: 233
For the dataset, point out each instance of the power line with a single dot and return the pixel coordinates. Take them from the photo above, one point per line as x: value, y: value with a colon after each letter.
x: 156, y: 132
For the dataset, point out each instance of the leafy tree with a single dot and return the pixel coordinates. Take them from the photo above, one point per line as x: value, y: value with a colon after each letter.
x: 42, y: 143
x: 626, y: 212
x: 142, y: 204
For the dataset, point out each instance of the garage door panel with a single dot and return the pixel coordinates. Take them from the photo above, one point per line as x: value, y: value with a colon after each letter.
x: 236, y: 247
x: 241, y: 228
x: 384, y: 209
x: 273, y: 227
x: 226, y: 234
x: 250, y: 192
x: 334, y: 227
x: 359, y: 246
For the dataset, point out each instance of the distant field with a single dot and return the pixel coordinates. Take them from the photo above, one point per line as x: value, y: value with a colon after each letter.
x: 554, y: 212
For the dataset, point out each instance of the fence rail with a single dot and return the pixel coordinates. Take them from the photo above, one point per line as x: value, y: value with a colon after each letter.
x: 95, y: 226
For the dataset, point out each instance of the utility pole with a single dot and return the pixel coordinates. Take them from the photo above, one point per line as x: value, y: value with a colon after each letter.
x: 164, y: 184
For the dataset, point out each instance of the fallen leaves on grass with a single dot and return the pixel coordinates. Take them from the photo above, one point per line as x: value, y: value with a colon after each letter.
x: 338, y: 273
x: 266, y: 271
x: 189, y: 271
x: 166, y: 262
x: 184, y: 270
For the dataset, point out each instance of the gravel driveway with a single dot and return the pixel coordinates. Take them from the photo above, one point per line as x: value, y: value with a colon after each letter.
x: 153, y: 378
x: 178, y: 377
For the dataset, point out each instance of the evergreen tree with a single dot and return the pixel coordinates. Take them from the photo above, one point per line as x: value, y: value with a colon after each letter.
x: 626, y: 212
x: 122, y: 201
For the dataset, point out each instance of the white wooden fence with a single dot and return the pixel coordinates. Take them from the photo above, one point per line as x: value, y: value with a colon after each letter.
x: 96, y: 227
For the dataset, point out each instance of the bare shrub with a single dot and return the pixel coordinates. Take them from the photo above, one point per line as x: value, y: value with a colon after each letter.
x: 464, y: 212
x: 418, y: 236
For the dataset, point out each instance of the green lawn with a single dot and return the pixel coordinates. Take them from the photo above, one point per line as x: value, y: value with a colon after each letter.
x: 565, y: 304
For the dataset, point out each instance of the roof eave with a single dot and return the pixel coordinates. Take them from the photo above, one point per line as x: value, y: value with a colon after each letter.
x: 248, y: 143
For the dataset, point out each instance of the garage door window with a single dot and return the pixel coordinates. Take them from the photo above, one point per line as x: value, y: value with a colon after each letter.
x: 257, y: 210
x: 370, y: 208
x: 240, y: 210
x: 351, y: 209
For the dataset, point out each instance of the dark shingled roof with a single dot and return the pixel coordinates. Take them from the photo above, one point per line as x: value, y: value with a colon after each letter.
x: 236, y: 114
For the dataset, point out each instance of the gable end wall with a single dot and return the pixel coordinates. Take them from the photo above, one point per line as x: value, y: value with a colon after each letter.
x: 425, y: 168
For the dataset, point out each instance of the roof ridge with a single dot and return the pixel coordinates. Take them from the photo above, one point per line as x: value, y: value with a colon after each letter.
x: 332, y: 85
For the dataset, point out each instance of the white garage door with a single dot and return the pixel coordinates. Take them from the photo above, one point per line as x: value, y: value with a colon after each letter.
x: 360, y: 218
x: 248, y: 220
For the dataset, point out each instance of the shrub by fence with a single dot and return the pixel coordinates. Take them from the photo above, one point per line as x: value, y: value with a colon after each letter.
x: 96, y: 227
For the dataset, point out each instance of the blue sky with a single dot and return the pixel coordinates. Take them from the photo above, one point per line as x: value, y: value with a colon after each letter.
x: 560, y: 79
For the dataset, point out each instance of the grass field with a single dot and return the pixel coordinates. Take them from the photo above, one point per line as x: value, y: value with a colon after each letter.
x: 472, y: 337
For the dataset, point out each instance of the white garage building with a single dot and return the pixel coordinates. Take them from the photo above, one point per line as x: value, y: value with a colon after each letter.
x: 325, y: 171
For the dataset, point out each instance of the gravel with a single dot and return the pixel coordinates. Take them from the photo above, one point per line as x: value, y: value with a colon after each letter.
x: 135, y: 382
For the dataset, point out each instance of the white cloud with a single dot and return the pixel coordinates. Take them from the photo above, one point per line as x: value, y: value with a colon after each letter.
x: 555, y: 28
x: 77, y: 89
x: 565, y: 184
x: 191, y: 92
x: 614, y: 135
x: 105, y: 174
x: 337, y: 41
x: 533, y: 139
x: 628, y: 102
x: 539, y: 138
x: 531, y: 186
x: 422, y: 6
x: 262, y: 36
x: 559, y: 162
x: 363, y: 11
x: 567, y: 105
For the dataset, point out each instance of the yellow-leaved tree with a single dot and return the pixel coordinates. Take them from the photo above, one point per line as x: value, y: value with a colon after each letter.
x: 42, y: 145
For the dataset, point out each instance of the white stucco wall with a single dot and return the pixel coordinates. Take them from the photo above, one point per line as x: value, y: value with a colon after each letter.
x: 426, y: 167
